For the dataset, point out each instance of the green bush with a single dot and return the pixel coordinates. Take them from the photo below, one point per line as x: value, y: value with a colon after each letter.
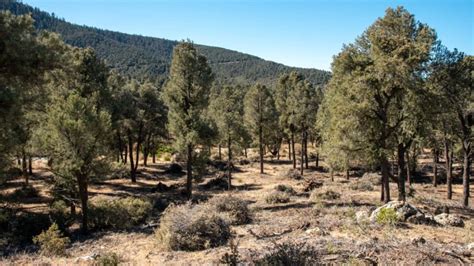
x: 118, y: 213
x: 25, y: 193
x: 191, y: 227
x: 285, y: 188
x: 107, y: 259
x: 327, y: 195
x: 52, y: 242
x: 277, y: 197
x: 387, y: 216
x: 289, y: 254
x: 235, y: 210
x: 59, y: 212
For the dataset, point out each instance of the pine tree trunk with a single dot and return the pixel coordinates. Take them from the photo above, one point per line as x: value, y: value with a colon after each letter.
x: 401, y: 172
x: 30, y: 166
x: 125, y: 155
x: 220, y: 153
x: 289, y: 149
x: 435, y: 167
x: 302, y: 153
x: 408, y: 167
x: 245, y: 151
x: 317, y: 160
x: 347, y: 174
x: 130, y: 153
x: 24, y: 170
x: 83, y: 194
x: 189, y: 172
x: 384, y: 164
x: 466, y: 172
x: 229, y: 162
x: 293, y: 149
x: 137, y: 154
x: 332, y: 174
x: 449, y: 170
x: 306, y: 151
x: 260, y: 144
x: 153, y: 157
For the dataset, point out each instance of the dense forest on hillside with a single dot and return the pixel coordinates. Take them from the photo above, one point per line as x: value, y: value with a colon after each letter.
x: 150, y: 58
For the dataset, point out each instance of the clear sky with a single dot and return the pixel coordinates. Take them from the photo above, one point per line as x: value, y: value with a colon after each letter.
x: 301, y: 33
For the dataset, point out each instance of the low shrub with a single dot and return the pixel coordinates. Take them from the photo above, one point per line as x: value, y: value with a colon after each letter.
x: 327, y: 195
x: 191, y: 227
x: 387, y: 216
x: 52, y: 242
x: 277, y: 197
x: 59, y: 213
x: 362, y: 185
x: 285, y: 188
x: 293, y: 174
x: 107, y: 259
x: 232, y: 258
x: 25, y: 192
x: 235, y: 210
x: 373, y: 178
x: 289, y: 254
x: 118, y: 213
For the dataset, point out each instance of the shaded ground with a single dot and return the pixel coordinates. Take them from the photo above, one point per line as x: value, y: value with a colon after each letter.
x: 328, y: 226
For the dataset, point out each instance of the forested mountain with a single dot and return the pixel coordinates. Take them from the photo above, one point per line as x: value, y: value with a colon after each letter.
x: 140, y: 56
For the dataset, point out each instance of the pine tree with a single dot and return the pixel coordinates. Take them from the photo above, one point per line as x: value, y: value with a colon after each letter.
x: 186, y: 95
x: 260, y: 116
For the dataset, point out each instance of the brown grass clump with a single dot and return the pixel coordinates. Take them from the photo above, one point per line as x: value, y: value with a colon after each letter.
x: 191, y: 227
x: 362, y: 185
x: 277, y: 197
x: 327, y: 195
x: 234, y: 210
x: 286, y: 189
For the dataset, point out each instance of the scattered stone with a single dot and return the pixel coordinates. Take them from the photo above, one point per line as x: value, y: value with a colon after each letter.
x: 91, y: 257
x: 403, y: 209
x: 440, y: 210
x: 362, y: 216
x: 420, y: 218
x: 470, y: 246
x: 449, y: 219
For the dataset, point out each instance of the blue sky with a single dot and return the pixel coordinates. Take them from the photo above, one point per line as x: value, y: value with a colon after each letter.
x: 293, y: 32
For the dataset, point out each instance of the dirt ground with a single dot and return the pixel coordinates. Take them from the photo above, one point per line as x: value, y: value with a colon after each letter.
x: 328, y: 226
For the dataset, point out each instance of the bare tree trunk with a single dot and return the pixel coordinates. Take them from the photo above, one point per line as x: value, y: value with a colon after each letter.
x: 30, y: 165
x: 306, y: 150
x: 408, y: 167
x: 302, y: 153
x: 189, y: 172
x: 401, y: 172
x: 229, y: 163
x: 24, y: 170
x: 385, y: 179
x: 435, y: 167
x: 83, y: 194
x: 448, y: 154
x: 293, y: 149
x: 332, y: 174
x: 132, y: 166
x: 260, y: 144
x: 289, y: 149
x: 466, y: 172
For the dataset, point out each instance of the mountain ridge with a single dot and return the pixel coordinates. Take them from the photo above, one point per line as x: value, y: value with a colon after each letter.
x: 149, y: 57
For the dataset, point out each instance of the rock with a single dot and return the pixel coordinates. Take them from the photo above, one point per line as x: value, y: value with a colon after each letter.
x: 440, y: 210
x: 418, y: 240
x: 91, y: 257
x: 317, y: 231
x: 403, y: 209
x: 449, y: 219
x: 362, y: 216
x: 174, y: 168
x: 470, y: 246
x: 420, y: 218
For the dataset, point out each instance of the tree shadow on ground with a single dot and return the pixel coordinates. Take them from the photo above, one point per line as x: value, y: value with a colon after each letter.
x: 297, y: 205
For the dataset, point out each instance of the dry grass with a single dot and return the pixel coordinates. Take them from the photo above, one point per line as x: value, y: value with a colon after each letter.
x: 328, y: 226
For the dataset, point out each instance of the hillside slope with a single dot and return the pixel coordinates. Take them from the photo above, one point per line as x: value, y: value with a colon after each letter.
x: 140, y: 56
